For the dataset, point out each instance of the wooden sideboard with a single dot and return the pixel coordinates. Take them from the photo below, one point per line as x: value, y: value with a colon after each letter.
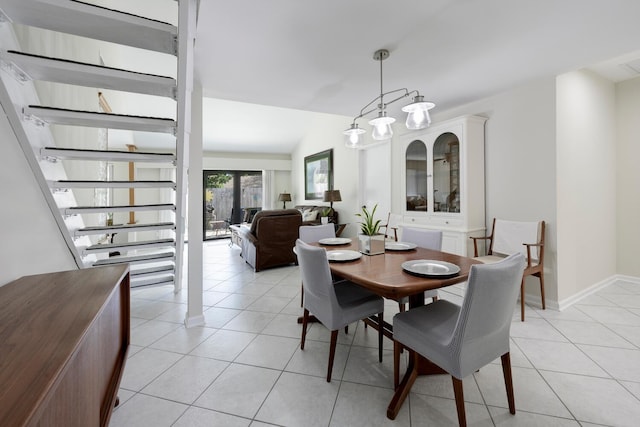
x: 64, y: 339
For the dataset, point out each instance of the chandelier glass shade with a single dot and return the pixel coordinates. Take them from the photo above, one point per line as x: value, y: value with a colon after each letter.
x: 352, y: 136
x: 417, y: 112
x: 382, y: 127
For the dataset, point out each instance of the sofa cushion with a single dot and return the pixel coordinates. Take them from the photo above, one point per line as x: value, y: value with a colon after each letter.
x: 309, y: 215
x: 318, y: 212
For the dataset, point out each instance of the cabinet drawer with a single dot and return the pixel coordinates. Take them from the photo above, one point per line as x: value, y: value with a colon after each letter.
x: 433, y: 221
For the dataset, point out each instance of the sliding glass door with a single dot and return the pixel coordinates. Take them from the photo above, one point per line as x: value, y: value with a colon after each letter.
x: 228, y: 197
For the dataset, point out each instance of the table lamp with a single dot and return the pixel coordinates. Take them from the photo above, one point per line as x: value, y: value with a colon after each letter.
x: 284, y: 198
x: 332, y: 196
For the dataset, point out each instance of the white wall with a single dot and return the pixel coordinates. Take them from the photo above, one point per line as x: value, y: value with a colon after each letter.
x: 375, y: 182
x: 31, y: 242
x: 520, y: 163
x: 586, y: 165
x: 324, y: 133
x: 628, y: 177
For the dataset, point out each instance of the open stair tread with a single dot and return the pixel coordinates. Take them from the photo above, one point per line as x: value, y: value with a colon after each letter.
x: 164, y: 279
x: 152, y: 270
x: 135, y: 259
x: 96, y: 22
x: 107, y: 229
x: 106, y: 155
x: 111, y: 184
x: 64, y: 116
x: 45, y: 68
x: 119, y: 208
x: 141, y: 244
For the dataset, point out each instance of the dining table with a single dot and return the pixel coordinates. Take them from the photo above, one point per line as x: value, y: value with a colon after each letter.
x: 384, y: 275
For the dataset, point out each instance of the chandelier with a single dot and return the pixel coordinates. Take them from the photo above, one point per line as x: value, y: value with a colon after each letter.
x: 417, y: 112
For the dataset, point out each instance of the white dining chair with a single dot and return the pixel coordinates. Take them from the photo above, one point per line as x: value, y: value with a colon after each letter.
x: 462, y: 339
x: 335, y: 305
x: 427, y: 239
x: 311, y: 234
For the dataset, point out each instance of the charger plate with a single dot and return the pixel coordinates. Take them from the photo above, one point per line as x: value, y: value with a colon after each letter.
x: 333, y: 241
x: 399, y: 246
x: 431, y: 268
x: 343, y: 256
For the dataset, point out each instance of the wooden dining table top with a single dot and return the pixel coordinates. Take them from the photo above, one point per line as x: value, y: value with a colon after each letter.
x: 383, y: 274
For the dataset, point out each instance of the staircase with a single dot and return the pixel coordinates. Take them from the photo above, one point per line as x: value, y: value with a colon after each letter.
x: 153, y: 246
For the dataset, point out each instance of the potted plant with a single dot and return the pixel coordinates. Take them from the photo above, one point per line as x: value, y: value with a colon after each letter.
x: 324, y: 215
x: 370, y: 241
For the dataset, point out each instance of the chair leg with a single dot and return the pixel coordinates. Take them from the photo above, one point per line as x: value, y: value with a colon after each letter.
x: 380, y: 334
x: 522, y: 300
x: 508, y: 381
x: 332, y: 353
x: 396, y: 364
x: 541, y: 277
x: 458, y: 392
x: 305, y: 319
x: 401, y: 307
x: 301, y: 295
x: 346, y: 329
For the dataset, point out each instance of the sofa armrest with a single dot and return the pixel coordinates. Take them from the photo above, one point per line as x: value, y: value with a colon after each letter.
x: 251, y: 238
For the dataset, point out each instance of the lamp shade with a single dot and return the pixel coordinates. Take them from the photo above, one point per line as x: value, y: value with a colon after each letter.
x: 382, y: 127
x: 332, y: 196
x: 284, y: 197
x: 352, y: 136
x: 418, y: 113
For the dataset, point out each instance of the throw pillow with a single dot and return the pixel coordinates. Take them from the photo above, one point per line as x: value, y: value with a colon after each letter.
x: 309, y: 216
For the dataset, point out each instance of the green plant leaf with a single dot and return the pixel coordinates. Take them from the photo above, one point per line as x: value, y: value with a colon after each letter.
x: 369, y: 225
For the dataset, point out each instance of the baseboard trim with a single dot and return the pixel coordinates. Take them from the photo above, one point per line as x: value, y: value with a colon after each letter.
x: 574, y: 299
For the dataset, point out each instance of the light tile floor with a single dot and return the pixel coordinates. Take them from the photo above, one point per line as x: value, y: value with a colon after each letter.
x: 245, y: 368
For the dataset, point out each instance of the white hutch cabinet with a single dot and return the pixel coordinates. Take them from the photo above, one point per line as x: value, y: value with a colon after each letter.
x: 442, y: 181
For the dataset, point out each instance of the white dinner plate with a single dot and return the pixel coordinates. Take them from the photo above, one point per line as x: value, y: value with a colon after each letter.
x: 343, y: 256
x: 332, y: 241
x: 399, y: 246
x: 431, y: 268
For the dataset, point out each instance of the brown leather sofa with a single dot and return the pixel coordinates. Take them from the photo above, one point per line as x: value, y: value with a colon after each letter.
x: 271, y: 239
x: 316, y: 213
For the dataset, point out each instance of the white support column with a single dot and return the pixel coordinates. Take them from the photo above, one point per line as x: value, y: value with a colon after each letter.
x: 190, y: 111
x: 194, y: 316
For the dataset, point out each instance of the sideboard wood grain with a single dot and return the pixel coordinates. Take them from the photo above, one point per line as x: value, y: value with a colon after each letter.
x: 64, y: 339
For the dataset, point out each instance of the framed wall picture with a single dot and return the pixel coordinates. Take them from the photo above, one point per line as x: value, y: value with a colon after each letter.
x: 318, y: 174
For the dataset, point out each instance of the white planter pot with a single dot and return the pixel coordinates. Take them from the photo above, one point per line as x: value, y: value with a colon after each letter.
x: 324, y: 220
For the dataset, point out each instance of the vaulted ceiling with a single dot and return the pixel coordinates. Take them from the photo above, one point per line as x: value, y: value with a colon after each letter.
x: 310, y: 56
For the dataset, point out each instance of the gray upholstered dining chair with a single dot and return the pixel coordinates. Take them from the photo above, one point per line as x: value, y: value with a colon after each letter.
x: 428, y: 239
x: 334, y: 305
x: 313, y: 233
x: 462, y: 339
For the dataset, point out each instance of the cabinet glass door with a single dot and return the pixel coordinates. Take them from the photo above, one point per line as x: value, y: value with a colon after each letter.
x: 416, y: 163
x: 446, y: 173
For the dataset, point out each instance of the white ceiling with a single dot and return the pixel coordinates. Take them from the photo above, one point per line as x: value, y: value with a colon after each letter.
x: 317, y: 56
